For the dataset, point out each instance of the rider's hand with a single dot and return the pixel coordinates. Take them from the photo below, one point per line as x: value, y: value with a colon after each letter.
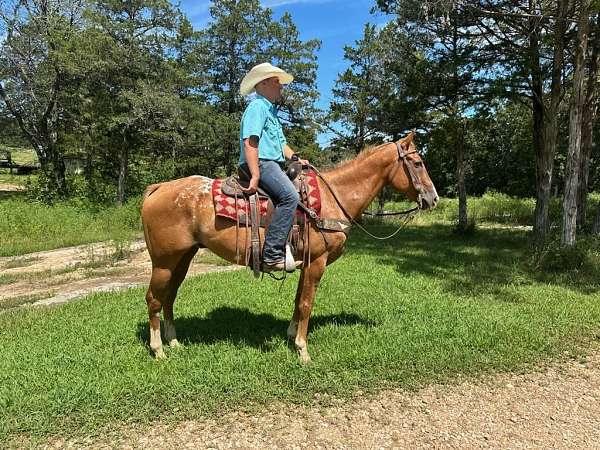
x: 304, y: 162
x: 252, y: 187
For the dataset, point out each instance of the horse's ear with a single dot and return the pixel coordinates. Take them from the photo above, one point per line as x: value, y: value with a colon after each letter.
x: 407, y: 140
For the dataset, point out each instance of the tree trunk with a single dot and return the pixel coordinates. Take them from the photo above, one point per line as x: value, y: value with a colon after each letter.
x: 58, y: 171
x: 589, y: 118
x: 545, y: 116
x: 461, y: 170
x: 123, y: 171
x: 584, y: 166
x: 596, y: 226
x: 543, y: 175
x: 569, y: 222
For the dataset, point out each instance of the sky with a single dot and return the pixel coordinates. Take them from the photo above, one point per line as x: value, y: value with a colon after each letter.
x: 335, y: 22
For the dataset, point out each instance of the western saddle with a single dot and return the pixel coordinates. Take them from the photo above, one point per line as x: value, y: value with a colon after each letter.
x: 299, y: 237
x: 233, y: 185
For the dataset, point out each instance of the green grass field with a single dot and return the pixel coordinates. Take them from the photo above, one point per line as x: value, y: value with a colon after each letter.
x: 424, y: 307
x: 27, y: 227
x: 20, y: 155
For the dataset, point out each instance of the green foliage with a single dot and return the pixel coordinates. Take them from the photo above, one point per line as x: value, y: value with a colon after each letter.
x: 552, y: 257
x: 141, y: 94
x: 358, y: 93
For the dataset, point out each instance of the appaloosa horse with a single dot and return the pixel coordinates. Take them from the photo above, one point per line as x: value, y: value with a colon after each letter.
x: 179, y: 217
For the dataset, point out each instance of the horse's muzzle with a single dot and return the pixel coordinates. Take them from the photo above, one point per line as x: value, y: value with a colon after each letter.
x: 428, y: 200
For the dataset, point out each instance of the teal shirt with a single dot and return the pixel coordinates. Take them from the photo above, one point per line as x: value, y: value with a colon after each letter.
x: 260, y: 119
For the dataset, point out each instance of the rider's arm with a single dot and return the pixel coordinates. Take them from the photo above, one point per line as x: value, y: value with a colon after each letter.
x: 288, y: 153
x: 251, y: 154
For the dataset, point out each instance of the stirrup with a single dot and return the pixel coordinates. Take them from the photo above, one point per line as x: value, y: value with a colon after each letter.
x: 290, y: 263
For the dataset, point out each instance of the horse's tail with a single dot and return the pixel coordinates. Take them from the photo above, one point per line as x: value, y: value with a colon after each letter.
x: 147, y: 193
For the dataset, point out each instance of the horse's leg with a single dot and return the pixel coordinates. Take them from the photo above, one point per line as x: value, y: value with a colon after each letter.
x: 176, y: 279
x: 156, y: 294
x: 307, y: 288
x: 293, y: 326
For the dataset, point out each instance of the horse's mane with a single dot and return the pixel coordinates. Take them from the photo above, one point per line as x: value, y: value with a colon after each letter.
x: 364, y: 154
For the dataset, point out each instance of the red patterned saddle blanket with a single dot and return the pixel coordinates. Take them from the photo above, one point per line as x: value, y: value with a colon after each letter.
x: 226, y: 206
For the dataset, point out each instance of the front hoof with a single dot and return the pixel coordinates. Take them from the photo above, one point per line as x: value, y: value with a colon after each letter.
x: 304, y: 357
x: 159, y: 354
x: 302, y: 350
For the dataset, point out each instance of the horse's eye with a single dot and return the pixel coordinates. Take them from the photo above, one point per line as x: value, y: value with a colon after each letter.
x: 419, y: 164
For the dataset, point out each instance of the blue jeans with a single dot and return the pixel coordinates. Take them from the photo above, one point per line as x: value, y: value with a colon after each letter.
x: 276, y: 183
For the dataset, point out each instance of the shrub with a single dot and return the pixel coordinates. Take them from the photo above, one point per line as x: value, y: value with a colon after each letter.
x: 552, y: 256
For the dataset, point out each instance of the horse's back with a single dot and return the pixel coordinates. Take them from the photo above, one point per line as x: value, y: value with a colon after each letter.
x: 170, y: 212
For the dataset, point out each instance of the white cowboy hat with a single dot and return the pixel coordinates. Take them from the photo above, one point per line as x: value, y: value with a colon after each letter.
x: 262, y: 72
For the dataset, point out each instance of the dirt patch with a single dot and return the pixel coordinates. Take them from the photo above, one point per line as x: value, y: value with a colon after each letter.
x: 11, y: 187
x: 557, y: 407
x: 62, y: 275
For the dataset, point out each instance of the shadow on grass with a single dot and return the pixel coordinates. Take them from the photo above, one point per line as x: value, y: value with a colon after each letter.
x: 491, y: 262
x: 12, y: 195
x: 243, y: 327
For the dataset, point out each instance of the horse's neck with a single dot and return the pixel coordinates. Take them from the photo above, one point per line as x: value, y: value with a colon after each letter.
x: 359, y: 181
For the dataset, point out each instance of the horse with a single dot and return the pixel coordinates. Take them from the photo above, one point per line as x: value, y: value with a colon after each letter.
x: 178, y: 218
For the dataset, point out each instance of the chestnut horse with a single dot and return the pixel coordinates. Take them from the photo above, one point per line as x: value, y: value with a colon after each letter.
x: 179, y: 218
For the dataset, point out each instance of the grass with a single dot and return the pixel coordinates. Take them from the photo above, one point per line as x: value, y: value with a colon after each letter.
x: 21, y: 262
x: 8, y: 278
x: 27, y: 227
x: 21, y: 155
x: 495, y: 208
x: 209, y: 257
x: 424, y: 307
x: 8, y: 178
x: 22, y: 300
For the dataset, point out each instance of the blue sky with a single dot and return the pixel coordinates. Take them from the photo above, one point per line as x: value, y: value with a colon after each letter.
x: 335, y: 22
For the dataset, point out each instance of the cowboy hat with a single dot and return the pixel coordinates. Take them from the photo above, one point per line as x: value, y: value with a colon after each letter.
x: 262, y: 72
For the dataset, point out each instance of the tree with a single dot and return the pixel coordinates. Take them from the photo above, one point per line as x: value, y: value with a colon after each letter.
x: 590, y: 111
x: 358, y: 93
x: 134, y: 95
x: 438, y: 39
x: 520, y: 57
x: 569, y: 225
x: 37, y: 76
x: 297, y: 107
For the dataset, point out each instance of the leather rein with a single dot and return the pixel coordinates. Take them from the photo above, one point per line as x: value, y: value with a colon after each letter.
x: 416, y: 184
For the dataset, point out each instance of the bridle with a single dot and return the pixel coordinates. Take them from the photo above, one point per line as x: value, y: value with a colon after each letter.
x: 416, y: 181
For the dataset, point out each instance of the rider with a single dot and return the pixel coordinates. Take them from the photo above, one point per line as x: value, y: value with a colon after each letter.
x: 263, y: 150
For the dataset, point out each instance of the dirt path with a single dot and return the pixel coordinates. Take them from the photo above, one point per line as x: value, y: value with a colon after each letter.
x: 557, y: 407
x: 62, y: 275
x: 11, y: 187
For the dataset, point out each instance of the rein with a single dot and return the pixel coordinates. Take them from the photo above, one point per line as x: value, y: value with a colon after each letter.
x: 396, y: 213
x: 416, y: 183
